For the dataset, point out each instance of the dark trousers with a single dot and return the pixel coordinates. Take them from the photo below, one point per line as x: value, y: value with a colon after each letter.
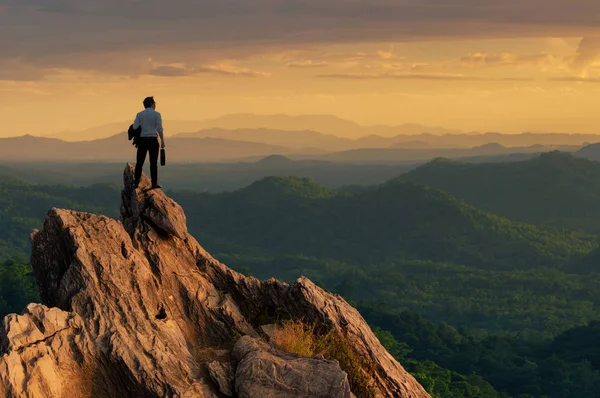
x: 145, y: 145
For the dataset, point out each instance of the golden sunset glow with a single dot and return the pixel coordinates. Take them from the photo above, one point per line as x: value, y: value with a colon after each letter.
x: 463, y: 67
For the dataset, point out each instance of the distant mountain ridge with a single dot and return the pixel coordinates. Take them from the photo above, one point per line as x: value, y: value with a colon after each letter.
x: 288, y: 138
x: 108, y: 130
x: 400, y: 155
x: 591, y: 152
x: 326, y: 124
x: 316, y: 139
x: 118, y: 148
x: 333, y: 134
x: 219, y: 149
x: 555, y: 188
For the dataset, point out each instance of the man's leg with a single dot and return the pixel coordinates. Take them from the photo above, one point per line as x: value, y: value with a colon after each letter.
x: 154, y: 149
x: 141, y: 158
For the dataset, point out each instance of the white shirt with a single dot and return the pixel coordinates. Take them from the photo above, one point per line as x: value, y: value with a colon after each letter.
x: 151, y: 123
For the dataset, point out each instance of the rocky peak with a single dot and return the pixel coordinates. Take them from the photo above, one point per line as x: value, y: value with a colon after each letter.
x: 137, y: 308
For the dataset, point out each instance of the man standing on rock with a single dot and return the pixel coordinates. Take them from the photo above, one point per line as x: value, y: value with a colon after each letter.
x: 152, y: 129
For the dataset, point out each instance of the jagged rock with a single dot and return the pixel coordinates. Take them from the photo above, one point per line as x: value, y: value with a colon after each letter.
x: 31, y: 342
x: 263, y: 371
x: 137, y: 308
x: 36, y: 324
x: 223, y: 374
x: 150, y: 205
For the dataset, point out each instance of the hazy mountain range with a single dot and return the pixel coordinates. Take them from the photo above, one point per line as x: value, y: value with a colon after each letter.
x: 301, y: 139
x: 331, y: 133
x: 394, y: 155
x: 183, y: 149
x: 326, y: 124
x: 118, y: 148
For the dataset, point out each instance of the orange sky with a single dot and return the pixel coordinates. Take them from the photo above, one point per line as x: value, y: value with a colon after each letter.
x: 523, y: 65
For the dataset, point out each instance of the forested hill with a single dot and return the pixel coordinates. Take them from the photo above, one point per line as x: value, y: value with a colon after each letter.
x: 554, y: 188
x: 288, y: 215
x: 24, y: 206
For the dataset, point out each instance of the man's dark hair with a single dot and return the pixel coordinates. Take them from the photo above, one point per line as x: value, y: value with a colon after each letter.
x: 148, y: 102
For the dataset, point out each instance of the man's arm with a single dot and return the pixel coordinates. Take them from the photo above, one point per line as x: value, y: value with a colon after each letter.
x: 159, y: 128
x: 136, y: 122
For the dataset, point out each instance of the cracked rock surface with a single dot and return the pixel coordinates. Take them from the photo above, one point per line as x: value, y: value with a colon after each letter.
x: 137, y: 308
x: 264, y: 371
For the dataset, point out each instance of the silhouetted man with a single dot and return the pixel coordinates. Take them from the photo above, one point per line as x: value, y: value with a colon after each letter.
x: 151, y: 123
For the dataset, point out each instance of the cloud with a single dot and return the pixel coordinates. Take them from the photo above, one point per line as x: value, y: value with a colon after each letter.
x: 42, y: 27
x: 385, y: 54
x: 180, y: 71
x: 588, y: 51
x: 14, y: 87
x: 230, y: 70
x: 416, y: 76
x: 50, y: 34
x: 352, y: 76
x: 17, y: 70
x: 505, y: 59
x: 575, y: 79
x: 307, y: 64
x: 169, y: 71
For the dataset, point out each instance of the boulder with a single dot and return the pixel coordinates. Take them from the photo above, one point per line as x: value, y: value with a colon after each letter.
x: 264, y: 371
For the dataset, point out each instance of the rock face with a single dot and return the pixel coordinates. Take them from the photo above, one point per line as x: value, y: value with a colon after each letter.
x: 224, y: 375
x: 137, y: 308
x: 264, y: 371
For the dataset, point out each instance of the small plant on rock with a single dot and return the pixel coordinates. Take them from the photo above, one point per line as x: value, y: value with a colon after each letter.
x: 302, y: 339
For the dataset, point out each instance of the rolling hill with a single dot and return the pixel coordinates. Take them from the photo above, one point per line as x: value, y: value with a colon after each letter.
x: 389, y: 222
x: 554, y: 188
x: 591, y: 152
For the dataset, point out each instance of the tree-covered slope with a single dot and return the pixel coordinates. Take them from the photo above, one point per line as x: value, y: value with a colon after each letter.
x: 562, y: 367
x: 555, y: 188
x: 24, y: 206
x: 388, y: 223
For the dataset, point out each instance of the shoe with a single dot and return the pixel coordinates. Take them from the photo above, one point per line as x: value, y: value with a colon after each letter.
x: 156, y: 186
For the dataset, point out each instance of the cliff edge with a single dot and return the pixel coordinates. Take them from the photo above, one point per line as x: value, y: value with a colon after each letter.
x: 137, y: 308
